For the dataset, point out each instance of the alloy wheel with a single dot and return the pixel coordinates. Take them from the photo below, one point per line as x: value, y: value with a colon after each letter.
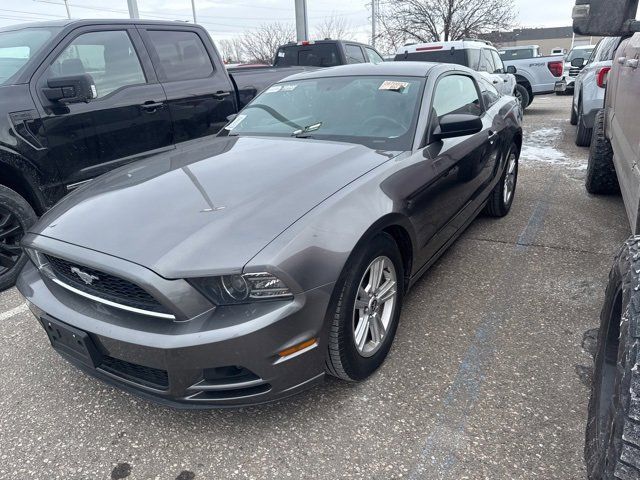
x: 374, y: 306
x: 510, y: 178
x: 11, y: 232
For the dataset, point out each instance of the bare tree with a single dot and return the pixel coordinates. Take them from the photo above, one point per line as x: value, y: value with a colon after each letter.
x: 259, y: 45
x: 443, y: 20
x: 231, y: 50
x: 335, y: 27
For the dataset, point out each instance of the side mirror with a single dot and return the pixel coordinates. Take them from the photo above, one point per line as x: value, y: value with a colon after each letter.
x: 607, y: 18
x: 71, y: 89
x: 457, y: 125
x: 512, y: 70
x: 578, y: 62
x: 232, y: 117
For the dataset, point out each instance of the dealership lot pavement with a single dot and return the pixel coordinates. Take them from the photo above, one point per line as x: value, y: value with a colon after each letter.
x: 486, y: 378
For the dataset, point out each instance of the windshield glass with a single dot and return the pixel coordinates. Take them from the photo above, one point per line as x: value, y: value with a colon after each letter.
x: 18, y: 46
x: 519, y: 54
x: 378, y: 112
x: 579, y: 53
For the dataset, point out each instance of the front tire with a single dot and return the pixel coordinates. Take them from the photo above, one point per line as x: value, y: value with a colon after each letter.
x: 612, y: 443
x: 601, y: 174
x: 522, y: 94
x: 16, y: 216
x: 502, y: 195
x: 366, y: 311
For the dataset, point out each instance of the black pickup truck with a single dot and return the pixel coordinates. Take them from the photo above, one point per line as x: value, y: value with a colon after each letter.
x: 80, y: 98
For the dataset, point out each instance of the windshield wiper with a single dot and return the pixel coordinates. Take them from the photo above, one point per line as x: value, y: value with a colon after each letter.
x: 303, y: 132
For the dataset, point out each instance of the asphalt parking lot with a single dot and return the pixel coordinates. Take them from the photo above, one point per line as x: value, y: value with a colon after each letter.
x: 486, y: 380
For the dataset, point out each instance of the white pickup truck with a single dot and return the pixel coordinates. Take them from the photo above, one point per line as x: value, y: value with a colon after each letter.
x: 537, y: 74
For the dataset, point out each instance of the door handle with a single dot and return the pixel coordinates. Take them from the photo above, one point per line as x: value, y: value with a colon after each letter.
x: 632, y: 63
x: 495, y: 82
x: 151, y: 106
x: 622, y: 60
x: 220, y: 95
x: 493, y: 136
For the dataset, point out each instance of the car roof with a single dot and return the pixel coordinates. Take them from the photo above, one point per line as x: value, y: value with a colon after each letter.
x: 457, y: 44
x: 583, y: 47
x: 305, y: 43
x: 520, y: 47
x: 93, y: 21
x: 392, y: 69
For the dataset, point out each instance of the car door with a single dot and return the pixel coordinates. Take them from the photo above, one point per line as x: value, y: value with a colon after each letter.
x: 460, y: 169
x: 200, y: 96
x: 128, y: 116
x: 506, y: 82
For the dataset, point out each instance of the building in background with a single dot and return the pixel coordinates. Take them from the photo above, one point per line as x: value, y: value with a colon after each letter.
x: 546, y: 38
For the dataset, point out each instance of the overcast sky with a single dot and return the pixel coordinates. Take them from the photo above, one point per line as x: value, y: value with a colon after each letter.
x: 225, y: 19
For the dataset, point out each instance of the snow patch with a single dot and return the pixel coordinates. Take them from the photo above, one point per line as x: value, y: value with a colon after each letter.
x: 539, y: 147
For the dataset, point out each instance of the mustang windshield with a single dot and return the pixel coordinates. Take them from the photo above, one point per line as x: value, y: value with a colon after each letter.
x: 18, y: 46
x: 379, y: 112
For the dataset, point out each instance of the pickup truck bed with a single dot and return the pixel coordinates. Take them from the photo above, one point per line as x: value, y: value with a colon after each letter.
x: 539, y: 74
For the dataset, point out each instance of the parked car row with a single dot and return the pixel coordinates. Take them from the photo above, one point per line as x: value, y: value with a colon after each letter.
x: 612, y: 448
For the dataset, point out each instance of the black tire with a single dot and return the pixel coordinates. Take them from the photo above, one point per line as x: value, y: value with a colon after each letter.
x: 343, y: 359
x: 601, y: 174
x: 612, y: 442
x: 583, y: 133
x: 16, y: 216
x: 522, y: 94
x: 496, y: 205
x: 573, y: 119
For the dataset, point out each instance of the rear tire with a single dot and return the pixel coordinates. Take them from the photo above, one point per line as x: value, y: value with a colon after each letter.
x: 346, y: 359
x: 16, y: 216
x: 612, y: 443
x: 522, y: 94
x: 583, y: 134
x: 601, y: 174
x: 500, y: 201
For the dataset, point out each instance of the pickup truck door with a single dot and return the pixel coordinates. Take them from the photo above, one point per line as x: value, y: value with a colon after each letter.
x: 128, y: 117
x: 456, y: 171
x: 200, y: 94
x: 624, y: 131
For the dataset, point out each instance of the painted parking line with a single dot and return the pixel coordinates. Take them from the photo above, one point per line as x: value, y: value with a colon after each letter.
x: 13, y: 312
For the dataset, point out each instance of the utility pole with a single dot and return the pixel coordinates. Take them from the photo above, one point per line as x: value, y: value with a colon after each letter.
x: 66, y: 4
x: 374, y: 16
x: 193, y: 8
x: 133, y: 8
x: 302, y: 22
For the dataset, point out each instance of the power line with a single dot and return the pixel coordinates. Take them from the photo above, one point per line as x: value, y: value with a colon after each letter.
x: 32, y: 13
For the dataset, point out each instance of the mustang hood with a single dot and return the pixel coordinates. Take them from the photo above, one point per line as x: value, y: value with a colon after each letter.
x: 209, y: 207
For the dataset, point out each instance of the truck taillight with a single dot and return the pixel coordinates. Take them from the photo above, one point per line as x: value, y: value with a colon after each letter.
x: 601, y: 76
x: 556, y: 68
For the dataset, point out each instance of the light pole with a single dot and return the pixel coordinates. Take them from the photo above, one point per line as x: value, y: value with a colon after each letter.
x: 193, y: 8
x: 374, y: 14
x: 133, y: 8
x: 302, y: 23
x: 66, y: 4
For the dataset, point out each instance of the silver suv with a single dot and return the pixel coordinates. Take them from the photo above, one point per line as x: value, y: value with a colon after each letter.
x: 588, y: 94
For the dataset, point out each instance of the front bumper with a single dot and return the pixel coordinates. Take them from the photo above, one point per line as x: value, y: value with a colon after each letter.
x: 566, y: 84
x: 223, y: 357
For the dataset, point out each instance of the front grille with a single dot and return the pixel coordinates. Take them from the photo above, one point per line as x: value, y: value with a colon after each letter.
x: 150, y: 377
x: 104, y: 285
x: 574, y: 71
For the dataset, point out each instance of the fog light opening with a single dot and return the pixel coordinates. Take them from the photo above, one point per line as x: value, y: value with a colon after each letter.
x: 306, y: 345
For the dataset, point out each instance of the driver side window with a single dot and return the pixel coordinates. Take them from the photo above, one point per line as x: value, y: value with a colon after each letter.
x: 456, y: 94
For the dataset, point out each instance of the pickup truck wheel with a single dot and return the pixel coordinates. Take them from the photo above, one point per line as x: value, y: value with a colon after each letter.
x: 601, y: 174
x: 612, y: 443
x: 501, y: 197
x: 522, y: 94
x: 366, y: 312
x: 583, y: 134
x: 16, y: 216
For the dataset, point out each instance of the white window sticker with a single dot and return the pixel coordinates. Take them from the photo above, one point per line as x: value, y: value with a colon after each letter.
x: 289, y: 88
x: 236, y: 121
x: 273, y: 89
x: 394, y: 86
x: 281, y: 54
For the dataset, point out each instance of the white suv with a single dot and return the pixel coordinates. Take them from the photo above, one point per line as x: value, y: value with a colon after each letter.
x: 478, y: 55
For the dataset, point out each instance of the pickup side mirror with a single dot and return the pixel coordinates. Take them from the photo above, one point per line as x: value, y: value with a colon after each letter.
x: 578, y: 62
x: 512, y: 70
x: 607, y: 18
x: 457, y: 125
x: 71, y: 89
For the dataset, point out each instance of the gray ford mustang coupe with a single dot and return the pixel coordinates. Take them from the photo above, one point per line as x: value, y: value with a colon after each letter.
x: 242, y: 269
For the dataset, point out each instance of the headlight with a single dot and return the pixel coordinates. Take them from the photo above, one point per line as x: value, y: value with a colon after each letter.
x: 246, y: 288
